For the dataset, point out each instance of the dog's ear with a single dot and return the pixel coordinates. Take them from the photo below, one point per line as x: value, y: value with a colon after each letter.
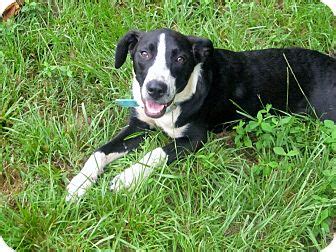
x: 202, y: 48
x: 126, y: 44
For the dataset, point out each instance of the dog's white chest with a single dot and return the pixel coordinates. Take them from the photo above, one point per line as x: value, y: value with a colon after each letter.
x: 166, y: 122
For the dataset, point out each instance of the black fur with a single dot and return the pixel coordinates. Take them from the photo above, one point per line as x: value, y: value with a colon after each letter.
x: 294, y: 79
x: 252, y: 79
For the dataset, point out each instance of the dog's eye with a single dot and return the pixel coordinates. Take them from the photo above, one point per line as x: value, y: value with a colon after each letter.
x: 180, y: 60
x: 145, y: 55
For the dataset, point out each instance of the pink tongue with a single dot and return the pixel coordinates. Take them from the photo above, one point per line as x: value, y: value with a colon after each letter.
x: 153, y: 107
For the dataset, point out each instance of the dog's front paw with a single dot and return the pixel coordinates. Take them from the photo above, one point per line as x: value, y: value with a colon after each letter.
x: 130, y: 177
x: 77, y: 187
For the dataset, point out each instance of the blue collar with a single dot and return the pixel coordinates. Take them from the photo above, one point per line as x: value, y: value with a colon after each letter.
x: 127, y: 103
x: 131, y: 103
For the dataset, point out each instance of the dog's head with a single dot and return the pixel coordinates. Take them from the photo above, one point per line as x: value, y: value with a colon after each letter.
x: 164, y: 62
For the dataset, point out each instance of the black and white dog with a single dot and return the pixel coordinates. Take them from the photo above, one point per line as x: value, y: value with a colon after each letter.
x: 186, y: 87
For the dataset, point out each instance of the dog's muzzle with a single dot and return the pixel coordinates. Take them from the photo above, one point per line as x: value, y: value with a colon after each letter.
x: 154, y: 101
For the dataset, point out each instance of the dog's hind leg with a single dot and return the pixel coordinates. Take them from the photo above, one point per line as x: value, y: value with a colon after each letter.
x: 159, y: 156
x: 125, y: 141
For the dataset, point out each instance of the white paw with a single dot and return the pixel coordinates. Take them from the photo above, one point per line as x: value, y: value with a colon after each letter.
x: 130, y: 177
x: 77, y: 187
x: 4, y: 247
x: 87, y: 176
x: 139, y: 171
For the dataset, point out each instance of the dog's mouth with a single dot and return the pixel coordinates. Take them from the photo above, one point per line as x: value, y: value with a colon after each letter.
x: 154, y: 109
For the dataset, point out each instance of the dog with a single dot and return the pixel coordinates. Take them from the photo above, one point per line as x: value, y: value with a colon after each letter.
x: 186, y: 87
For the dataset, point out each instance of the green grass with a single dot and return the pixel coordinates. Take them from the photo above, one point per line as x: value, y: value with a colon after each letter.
x: 267, y: 185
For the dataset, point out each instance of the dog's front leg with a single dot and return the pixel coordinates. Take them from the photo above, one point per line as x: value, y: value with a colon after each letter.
x: 159, y: 156
x: 127, y: 140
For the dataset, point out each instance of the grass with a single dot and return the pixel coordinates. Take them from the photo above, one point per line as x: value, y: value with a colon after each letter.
x: 269, y: 184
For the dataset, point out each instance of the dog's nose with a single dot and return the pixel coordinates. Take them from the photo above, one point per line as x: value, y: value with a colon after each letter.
x: 156, y: 89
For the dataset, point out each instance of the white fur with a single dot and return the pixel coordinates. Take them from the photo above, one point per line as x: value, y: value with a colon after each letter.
x: 190, y: 89
x: 167, y: 123
x: 159, y: 71
x: 139, y: 171
x: 168, y: 120
x: 4, y: 247
x: 331, y: 4
x: 93, y: 167
x: 136, y: 91
x: 331, y: 247
x: 4, y: 4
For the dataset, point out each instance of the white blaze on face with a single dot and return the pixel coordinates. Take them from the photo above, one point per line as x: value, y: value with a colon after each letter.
x: 159, y: 71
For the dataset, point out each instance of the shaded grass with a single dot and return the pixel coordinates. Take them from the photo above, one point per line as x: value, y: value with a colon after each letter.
x: 58, y: 85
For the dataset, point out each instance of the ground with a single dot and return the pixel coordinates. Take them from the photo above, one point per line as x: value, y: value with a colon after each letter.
x: 269, y: 183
